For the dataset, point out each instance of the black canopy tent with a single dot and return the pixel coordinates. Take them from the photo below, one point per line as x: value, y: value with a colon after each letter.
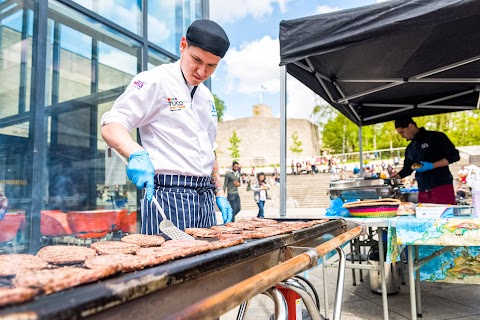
x: 384, y: 61
x: 396, y: 58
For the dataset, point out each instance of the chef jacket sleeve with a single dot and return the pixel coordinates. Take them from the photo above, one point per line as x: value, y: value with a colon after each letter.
x: 448, y: 149
x: 407, y: 164
x: 135, y: 107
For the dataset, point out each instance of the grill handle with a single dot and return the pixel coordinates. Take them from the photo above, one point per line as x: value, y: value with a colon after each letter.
x: 214, y: 306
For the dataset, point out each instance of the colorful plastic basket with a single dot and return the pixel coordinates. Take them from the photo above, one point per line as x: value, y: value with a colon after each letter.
x: 381, y: 208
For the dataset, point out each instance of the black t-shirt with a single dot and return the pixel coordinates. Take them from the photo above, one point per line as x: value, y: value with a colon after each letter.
x: 430, y: 146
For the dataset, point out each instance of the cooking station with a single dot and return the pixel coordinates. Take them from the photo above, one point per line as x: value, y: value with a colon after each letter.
x: 363, y: 188
x: 203, y: 286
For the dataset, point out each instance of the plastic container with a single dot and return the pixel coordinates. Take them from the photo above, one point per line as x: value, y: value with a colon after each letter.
x: 476, y: 197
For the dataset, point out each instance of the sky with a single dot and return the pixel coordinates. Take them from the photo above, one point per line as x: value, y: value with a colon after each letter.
x: 249, y: 73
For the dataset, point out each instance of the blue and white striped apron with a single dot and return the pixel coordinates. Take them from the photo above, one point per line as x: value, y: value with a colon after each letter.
x: 187, y: 201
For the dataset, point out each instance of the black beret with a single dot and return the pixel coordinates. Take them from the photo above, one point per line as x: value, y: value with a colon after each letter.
x: 209, y: 36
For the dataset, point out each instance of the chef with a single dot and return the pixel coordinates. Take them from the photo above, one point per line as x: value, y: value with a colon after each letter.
x: 429, y: 155
x: 177, y: 121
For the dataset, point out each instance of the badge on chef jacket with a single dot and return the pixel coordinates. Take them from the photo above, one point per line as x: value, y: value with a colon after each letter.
x: 212, y: 108
x: 138, y: 84
x: 175, y: 104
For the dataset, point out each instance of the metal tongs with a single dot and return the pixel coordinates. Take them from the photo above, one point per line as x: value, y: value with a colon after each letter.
x: 166, y: 226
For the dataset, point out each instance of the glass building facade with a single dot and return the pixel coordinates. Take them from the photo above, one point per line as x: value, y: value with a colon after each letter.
x: 62, y: 65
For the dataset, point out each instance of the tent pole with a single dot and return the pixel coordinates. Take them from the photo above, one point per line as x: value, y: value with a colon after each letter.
x: 360, y: 144
x: 283, y: 141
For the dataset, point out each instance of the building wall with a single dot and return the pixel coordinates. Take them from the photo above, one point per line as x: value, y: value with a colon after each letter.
x: 260, y: 140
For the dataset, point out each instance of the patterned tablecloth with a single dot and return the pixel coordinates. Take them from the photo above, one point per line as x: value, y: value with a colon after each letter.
x: 459, y: 265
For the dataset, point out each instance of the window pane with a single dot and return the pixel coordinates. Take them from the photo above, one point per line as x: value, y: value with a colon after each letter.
x: 116, y: 68
x: 15, y: 59
x: 14, y: 186
x: 156, y: 58
x: 168, y: 21
x: 127, y: 13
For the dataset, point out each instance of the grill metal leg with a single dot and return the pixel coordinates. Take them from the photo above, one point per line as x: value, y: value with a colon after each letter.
x: 325, y: 287
x: 411, y: 281
x: 243, y: 310
x: 281, y: 308
x: 337, y: 309
x: 417, y: 286
x: 357, y: 251
x: 381, y: 256
x: 295, y: 286
x: 352, y: 260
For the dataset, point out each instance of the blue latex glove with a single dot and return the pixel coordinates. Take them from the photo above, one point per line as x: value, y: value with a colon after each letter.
x: 140, y: 170
x: 425, y: 166
x: 225, y: 208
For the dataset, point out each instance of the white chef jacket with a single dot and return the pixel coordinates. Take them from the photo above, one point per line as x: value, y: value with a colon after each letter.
x: 177, y: 131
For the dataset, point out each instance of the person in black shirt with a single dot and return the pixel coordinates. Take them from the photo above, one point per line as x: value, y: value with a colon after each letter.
x: 431, y: 152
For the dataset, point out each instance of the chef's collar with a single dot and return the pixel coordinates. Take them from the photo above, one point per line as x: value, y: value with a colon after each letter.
x: 189, y: 85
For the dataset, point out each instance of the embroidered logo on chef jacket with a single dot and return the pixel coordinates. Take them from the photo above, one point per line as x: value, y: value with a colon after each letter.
x: 212, y: 108
x: 138, y: 84
x: 424, y: 145
x: 175, y: 104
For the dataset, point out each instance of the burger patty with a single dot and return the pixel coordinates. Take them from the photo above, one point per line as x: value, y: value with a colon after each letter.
x: 11, y: 264
x: 65, y: 254
x: 315, y: 222
x: 226, y: 243
x: 202, y: 232
x: 16, y: 295
x: 162, y: 255
x: 185, y: 244
x: 241, y: 225
x: 227, y: 236
x: 114, y: 247
x: 122, y: 262
x: 53, y: 280
x: 144, y: 240
x: 174, y: 249
x: 226, y: 229
x: 264, y: 221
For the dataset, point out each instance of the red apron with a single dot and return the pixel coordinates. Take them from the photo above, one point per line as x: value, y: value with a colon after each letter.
x: 441, y: 195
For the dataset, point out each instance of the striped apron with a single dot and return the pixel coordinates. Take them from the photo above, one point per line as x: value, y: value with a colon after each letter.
x: 187, y: 201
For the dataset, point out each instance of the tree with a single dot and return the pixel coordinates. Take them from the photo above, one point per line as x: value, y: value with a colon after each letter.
x: 296, y: 146
x: 220, y: 106
x: 339, y: 134
x: 234, y: 146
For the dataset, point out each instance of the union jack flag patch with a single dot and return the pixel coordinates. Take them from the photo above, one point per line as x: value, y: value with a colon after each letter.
x: 138, y: 84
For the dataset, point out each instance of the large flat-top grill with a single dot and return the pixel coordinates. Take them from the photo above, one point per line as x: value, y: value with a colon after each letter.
x: 157, y: 292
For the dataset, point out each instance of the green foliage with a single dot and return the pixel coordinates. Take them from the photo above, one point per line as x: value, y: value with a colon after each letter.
x: 220, y: 106
x: 339, y: 134
x: 234, y: 146
x: 296, y: 146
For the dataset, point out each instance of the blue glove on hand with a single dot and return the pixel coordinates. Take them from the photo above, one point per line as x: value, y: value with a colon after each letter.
x: 225, y: 208
x: 425, y: 166
x: 140, y: 171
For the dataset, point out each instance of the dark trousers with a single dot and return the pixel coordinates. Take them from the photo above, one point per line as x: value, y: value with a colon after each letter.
x: 234, y: 200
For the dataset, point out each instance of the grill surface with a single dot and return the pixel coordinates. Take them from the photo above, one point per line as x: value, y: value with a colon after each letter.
x: 156, y: 292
